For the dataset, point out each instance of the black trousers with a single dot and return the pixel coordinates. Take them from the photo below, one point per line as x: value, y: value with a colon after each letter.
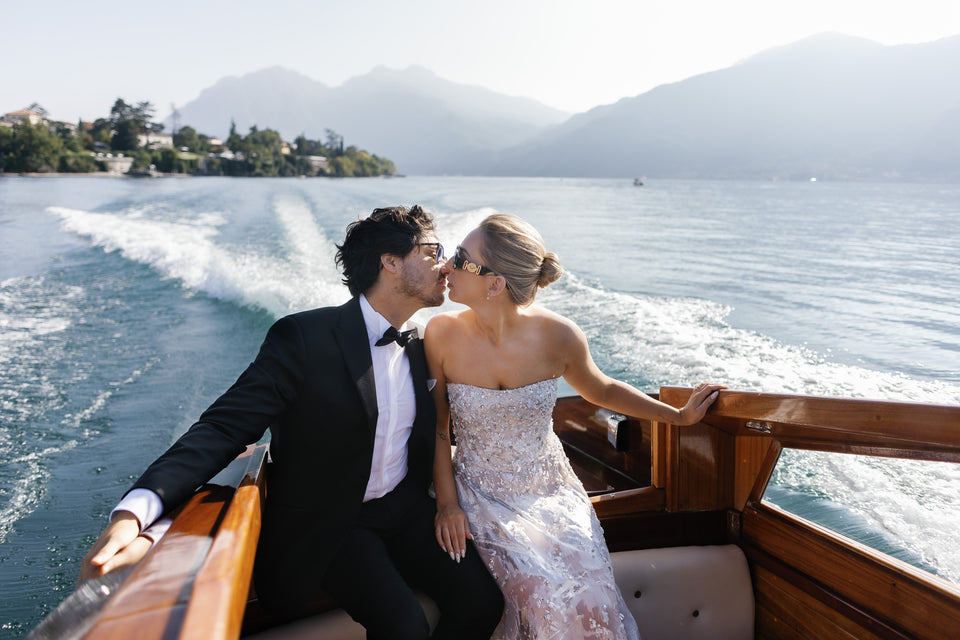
x: 391, y: 552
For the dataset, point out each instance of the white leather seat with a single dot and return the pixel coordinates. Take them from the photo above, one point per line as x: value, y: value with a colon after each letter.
x: 677, y: 593
x: 688, y: 593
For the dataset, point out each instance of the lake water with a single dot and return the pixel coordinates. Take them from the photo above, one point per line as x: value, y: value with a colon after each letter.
x: 127, y: 306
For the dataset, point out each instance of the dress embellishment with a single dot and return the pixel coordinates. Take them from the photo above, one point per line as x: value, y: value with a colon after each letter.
x: 531, y: 519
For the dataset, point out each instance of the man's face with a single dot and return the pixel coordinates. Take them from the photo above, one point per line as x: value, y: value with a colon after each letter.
x: 421, y: 276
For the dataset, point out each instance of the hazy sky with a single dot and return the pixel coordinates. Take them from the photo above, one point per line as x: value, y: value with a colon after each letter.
x: 75, y: 57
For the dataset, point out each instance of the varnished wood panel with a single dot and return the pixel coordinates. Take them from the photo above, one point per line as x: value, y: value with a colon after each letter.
x: 654, y: 529
x: 783, y: 610
x: 660, y: 435
x: 587, y: 442
x: 706, y: 468
x: 630, y: 501
x: 900, y: 596
x: 750, y: 454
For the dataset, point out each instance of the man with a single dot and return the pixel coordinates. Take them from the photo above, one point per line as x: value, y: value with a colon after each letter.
x: 352, y: 439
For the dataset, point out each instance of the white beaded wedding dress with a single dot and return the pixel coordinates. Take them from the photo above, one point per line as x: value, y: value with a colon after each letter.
x: 531, y: 519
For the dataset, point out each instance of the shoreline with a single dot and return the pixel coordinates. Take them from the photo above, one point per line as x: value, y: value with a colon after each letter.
x: 90, y: 174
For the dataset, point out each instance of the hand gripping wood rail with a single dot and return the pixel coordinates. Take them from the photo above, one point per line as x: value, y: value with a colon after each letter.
x: 193, y: 585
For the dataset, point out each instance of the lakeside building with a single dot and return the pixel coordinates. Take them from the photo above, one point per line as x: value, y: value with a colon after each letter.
x: 18, y: 116
x: 317, y: 163
x: 116, y: 164
x: 155, y: 140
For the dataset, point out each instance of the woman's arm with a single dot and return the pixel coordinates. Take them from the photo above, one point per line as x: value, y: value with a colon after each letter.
x: 452, y: 528
x: 582, y: 373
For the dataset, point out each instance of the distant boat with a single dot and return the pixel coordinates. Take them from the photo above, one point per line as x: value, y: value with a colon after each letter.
x: 638, y: 182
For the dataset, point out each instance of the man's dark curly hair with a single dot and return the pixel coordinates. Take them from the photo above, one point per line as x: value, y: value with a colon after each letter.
x: 392, y: 230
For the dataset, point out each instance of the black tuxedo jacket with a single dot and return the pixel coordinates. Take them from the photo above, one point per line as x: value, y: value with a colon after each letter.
x: 312, y: 385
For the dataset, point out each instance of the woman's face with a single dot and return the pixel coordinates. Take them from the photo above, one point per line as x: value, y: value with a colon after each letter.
x: 464, y: 284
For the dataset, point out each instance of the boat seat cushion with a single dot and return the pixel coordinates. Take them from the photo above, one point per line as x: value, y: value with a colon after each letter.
x: 686, y: 593
x: 677, y: 593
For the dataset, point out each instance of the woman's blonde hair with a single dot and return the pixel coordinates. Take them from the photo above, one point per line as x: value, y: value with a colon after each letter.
x: 512, y: 248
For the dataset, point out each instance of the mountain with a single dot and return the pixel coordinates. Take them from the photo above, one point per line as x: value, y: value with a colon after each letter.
x: 827, y: 106
x: 425, y: 124
x: 830, y: 106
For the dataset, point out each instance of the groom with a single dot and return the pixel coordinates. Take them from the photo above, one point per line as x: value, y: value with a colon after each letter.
x: 352, y: 440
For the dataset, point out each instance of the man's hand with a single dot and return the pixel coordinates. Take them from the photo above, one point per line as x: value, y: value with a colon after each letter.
x: 119, y: 546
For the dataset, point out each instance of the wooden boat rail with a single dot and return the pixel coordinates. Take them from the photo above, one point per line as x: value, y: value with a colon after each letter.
x: 194, y: 583
x: 707, y: 483
x: 657, y: 485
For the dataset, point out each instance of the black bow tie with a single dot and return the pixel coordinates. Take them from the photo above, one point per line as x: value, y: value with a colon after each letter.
x: 402, y: 338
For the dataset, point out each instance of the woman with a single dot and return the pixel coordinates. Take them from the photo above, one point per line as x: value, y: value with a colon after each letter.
x: 510, y: 488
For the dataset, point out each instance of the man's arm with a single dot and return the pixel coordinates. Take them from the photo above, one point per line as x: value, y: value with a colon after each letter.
x: 239, y: 417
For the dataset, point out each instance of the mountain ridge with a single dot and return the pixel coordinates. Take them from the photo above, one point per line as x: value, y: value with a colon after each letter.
x: 829, y: 105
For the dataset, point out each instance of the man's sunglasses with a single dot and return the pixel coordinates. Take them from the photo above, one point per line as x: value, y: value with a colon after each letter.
x: 439, y: 249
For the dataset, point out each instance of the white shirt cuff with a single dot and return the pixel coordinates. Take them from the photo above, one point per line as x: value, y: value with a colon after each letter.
x: 157, y: 529
x: 144, y: 504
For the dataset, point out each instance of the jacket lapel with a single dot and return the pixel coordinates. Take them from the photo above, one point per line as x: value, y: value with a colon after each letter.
x: 352, y: 337
x: 425, y: 421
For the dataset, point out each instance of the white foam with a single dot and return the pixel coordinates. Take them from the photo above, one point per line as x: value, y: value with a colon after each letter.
x: 677, y: 341
x: 187, y: 250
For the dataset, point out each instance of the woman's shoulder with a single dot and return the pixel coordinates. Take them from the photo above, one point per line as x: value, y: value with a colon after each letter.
x: 444, y: 323
x: 552, y: 322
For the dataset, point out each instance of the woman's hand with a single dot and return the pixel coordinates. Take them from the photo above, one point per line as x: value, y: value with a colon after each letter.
x: 452, y: 530
x: 700, y: 400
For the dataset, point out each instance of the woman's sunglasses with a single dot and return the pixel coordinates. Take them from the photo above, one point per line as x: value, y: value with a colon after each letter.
x: 459, y: 262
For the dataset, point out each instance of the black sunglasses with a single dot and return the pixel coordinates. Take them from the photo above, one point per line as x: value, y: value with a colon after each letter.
x: 434, y: 244
x: 459, y: 262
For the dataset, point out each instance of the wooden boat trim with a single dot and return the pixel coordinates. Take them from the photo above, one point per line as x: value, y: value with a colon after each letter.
x: 223, y: 581
x: 194, y: 582
x: 629, y: 501
x: 891, y: 426
x: 868, y: 581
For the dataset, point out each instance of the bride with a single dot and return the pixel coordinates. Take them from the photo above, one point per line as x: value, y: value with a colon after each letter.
x: 509, y: 486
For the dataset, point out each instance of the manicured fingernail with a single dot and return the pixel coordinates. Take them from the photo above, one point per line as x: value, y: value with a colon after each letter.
x: 453, y: 556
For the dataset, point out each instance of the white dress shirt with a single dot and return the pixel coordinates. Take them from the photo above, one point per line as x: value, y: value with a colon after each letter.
x: 396, y: 411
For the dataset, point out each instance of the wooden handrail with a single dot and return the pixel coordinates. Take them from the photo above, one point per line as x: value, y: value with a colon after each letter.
x: 903, y: 429
x: 194, y: 582
x: 223, y: 583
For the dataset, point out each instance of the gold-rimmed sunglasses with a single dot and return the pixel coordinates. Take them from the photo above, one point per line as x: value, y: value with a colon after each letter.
x: 459, y: 262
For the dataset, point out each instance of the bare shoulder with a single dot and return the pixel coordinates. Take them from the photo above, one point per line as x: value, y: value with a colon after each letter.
x: 558, y: 329
x: 443, y: 326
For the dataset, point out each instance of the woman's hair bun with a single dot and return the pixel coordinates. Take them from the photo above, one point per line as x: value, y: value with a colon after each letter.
x: 550, y: 269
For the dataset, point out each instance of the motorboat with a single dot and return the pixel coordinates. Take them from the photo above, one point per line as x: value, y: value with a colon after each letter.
x: 700, y: 548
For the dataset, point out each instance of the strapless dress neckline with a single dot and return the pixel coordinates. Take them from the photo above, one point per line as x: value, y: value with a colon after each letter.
x: 520, y: 388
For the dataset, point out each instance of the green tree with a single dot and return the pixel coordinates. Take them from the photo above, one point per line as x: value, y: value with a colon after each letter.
x: 37, y: 108
x: 334, y: 143
x: 29, y: 148
x: 128, y: 121
x: 187, y: 137
x: 234, y: 140
x: 99, y: 133
x: 125, y: 136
